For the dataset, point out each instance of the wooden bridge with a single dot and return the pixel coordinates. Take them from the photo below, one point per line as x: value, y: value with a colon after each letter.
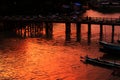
x: 22, y: 21
x: 63, y: 19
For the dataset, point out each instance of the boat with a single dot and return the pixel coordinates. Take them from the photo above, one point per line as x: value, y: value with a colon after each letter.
x: 118, y: 41
x: 118, y: 38
x: 100, y: 62
x: 111, y: 47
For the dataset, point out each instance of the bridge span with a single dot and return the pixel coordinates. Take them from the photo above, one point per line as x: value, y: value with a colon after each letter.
x: 36, y: 22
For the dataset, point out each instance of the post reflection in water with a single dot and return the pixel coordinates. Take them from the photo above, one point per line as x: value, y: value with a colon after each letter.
x: 40, y: 59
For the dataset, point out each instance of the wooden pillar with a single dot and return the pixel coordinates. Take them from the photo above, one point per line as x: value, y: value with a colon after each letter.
x: 30, y: 30
x: 112, y: 39
x: 78, y: 32
x: 67, y: 31
x: 49, y: 30
x: 35, y: 26
x: 89, y: 33
x: 101, y: 32
x: 46, y: 29
x: 21, y: 31
x: 24, y: 30
x: 34, y: 31
x: 41, y: 28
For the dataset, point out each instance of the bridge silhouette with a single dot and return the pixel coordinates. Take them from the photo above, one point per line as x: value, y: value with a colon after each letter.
x: 61, y: 19
x: 19, y: 22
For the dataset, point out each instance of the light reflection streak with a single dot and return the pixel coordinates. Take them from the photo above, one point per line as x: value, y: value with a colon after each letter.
x: 39, y: 59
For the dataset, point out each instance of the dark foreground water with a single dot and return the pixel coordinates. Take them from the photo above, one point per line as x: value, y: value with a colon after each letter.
x: 40, y: 59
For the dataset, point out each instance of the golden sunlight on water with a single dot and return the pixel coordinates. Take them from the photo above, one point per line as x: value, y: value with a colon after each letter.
x: 40, y: 59
x: 37, y: 59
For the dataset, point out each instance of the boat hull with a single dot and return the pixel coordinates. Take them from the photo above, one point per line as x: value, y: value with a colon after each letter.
x: 109, y: 47
x: 98, y: 62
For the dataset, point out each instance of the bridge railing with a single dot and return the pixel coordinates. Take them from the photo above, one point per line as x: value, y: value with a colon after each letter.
x: 100, y: 19
x: 61, y: 18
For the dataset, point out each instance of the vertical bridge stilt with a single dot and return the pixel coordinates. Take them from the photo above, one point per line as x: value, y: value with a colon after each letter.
x: 67, y: 31
x: 101, y: 32
x: 78, y: 33
x: 49, y: 30
x: 89, y: 33
x: 112, y: 39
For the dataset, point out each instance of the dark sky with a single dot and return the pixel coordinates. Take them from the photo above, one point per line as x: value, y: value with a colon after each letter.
x: 30, y: 7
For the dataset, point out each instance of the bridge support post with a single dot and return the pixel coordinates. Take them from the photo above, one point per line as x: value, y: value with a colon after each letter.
x: 89, y: 33
x: 28, y: 30
x: 49, y: 30
x: 67, y: 31
x: 101, y: 32
x: 20, y: 29
x: 24, y: 31
x: 78, y: 33
x: 36, y: 29
x: 35, y: 26
x: 112, y: 39
x: 41, y: 28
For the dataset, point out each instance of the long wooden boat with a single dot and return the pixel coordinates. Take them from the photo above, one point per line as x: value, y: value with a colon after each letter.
x: 100, y: 62
x: 109, y: 47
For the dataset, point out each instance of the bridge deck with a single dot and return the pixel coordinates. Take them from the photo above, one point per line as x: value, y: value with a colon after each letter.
x: 63, y: 19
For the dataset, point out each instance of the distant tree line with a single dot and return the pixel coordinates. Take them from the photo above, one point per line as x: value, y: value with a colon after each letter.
x: 33, y: 7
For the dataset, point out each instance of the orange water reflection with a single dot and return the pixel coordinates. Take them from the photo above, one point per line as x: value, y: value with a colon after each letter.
x: 39, y: 59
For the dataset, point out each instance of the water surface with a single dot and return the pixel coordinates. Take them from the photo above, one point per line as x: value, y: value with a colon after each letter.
x: 41, y: 59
